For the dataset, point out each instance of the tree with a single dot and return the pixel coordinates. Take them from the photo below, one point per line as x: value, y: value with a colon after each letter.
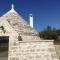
x: 49, y: 33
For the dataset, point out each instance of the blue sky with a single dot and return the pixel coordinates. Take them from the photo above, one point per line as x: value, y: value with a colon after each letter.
x: 45, y: 12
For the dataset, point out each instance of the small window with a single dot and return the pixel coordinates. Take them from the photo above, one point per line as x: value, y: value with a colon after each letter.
x: 19, y: 38
x: 2, y: 28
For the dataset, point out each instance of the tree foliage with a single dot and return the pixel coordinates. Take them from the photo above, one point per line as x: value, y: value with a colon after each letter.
x: 50, y: 33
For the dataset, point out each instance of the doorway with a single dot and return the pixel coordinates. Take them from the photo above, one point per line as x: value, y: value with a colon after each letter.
x: 4, y: 45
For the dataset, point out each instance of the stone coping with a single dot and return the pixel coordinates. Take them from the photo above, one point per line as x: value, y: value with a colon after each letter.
x: 37, y: 41
x: 29, y: 34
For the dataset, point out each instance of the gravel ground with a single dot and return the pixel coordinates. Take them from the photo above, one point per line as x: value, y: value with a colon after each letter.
x: 4, y: 55
x: 3, y: 58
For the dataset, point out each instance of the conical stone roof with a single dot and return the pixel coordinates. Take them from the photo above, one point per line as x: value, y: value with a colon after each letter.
x: 18, y: 23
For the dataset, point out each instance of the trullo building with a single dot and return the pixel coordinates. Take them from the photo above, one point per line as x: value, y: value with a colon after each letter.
x: 24, y: 42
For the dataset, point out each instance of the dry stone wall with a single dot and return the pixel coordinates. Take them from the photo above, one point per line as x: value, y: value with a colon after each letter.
x: 37, y: 50
x: 57, y: 47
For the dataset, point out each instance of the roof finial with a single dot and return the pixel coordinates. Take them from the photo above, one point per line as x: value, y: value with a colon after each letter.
x: 12, y: 6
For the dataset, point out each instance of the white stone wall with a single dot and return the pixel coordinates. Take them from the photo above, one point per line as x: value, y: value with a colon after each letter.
x: 57, y: 47
x: 37, y: 50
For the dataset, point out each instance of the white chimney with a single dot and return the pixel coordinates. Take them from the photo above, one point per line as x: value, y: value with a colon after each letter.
x: 31, y: 20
